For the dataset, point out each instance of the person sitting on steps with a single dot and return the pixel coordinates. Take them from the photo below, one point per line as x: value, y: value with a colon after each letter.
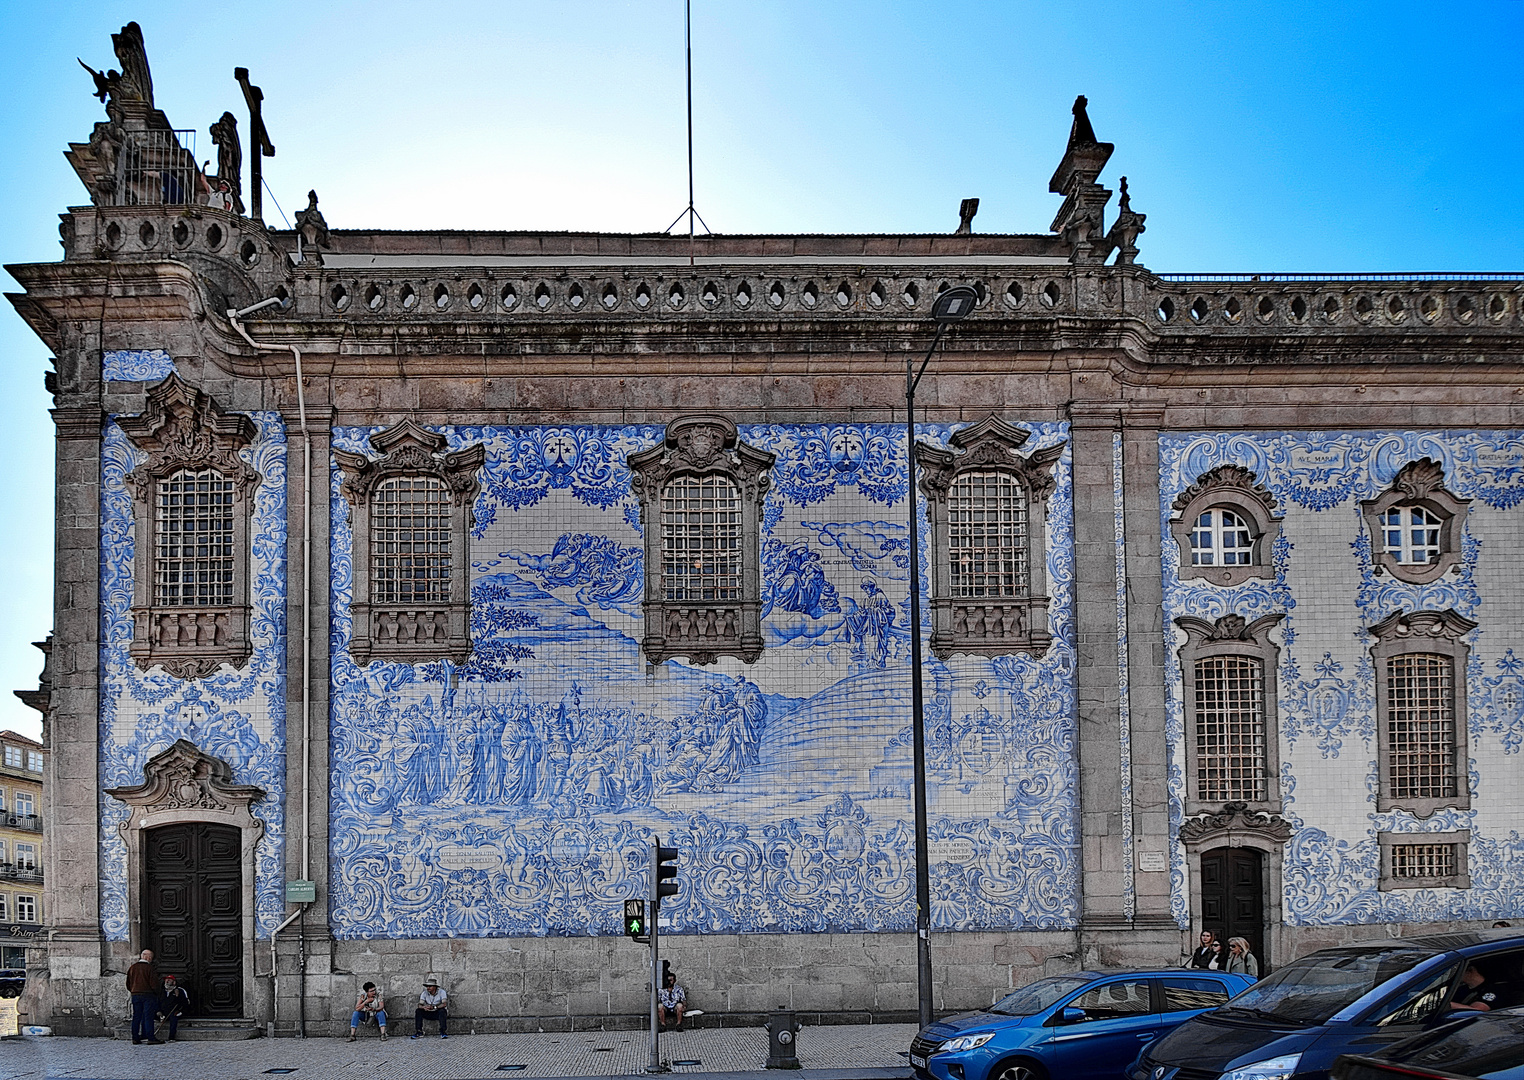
x: 172, y: 1005
x: 431, y: 1002
x: 370, y: 1005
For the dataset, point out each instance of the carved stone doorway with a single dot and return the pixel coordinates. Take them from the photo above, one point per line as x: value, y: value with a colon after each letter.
x: 193, y: 912
x: 1233, y: 896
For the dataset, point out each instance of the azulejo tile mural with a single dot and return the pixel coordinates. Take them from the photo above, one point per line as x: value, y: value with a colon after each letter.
x: 1328, y: 590
x: 239, y: 716
x: 517, y: 793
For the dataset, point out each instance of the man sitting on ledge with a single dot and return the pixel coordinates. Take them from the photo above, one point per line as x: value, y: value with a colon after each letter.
x: 431, y: 1003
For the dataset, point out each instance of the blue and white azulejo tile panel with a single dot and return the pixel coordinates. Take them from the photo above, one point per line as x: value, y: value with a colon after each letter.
x: 239, y: 716
x: 136, y: 365
x: 1329, y: 593
x: 517, y: 794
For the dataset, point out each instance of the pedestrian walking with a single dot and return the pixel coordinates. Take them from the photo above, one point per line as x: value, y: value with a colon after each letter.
x: 1210, y: 954
x: 1240, y: 959
x: 143, y: 985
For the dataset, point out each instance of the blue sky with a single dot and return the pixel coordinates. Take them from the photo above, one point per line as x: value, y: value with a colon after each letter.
x: 1263, y: 137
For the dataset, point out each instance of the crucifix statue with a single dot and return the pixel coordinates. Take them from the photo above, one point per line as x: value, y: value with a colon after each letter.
x: 260, y: 145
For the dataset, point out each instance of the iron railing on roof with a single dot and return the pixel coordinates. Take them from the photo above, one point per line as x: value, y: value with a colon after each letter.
x: 1268, y: 278
x: 158, y: 168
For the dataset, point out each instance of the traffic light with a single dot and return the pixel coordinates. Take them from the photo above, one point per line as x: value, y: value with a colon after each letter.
x: 663, y: 870
x: 635, y: 920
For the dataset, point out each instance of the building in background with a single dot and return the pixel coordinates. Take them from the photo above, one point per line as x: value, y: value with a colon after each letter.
x: 21, y: 847
x: 409, y: 583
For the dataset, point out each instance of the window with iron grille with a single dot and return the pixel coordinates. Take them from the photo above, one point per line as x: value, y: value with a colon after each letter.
x: 987, y: 535
x: 410, y: 542
x: 193, y: 536
x: 1411, y: 534
x: 1430, y: 860
x: 1420, y: 719
x: 1423, y: 860
x: 1221, y: 537
x: 1230, y: 729
x: 701, y: 539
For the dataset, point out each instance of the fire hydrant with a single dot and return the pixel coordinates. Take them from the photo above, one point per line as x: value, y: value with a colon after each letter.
x: 781, y: 1030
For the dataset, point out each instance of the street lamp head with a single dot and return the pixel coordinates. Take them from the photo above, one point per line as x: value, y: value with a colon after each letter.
x: 954, y: 304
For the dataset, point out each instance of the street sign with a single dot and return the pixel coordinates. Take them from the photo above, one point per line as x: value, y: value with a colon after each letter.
x: 301, y: 892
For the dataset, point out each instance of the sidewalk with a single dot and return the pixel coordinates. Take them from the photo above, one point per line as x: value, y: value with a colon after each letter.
x: 846, y: 1052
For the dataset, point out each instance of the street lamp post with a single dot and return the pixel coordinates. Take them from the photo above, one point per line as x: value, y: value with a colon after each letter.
x: 952, y: 305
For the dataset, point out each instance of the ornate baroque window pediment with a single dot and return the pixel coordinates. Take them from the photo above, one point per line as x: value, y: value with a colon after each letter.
x: 989, y: 540
x: 411, y: 516
x: 701, y: 495
x: 192, y: 502
x: 184, y: 778
x: 1415, y: 525
x: 1225, y: 527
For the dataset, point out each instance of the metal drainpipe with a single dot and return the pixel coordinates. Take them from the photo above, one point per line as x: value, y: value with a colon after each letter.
x: 275, y: 967
x: 301, y: 407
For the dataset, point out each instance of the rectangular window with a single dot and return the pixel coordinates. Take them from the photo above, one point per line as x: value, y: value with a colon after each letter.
x: 701, y: 539
x: 26, y: 856
x: 193, y: 564
x: 410, y: 542
x: 4, y: 908
x: 987, y: 535
x: 1424, y: 860
x: 34, y: 761
x: 1420, y: 727
x: 26, y: 908
x: 25, y: 804
x: 13, y: 757
x: 2, y: 851
x: 1230, y: 730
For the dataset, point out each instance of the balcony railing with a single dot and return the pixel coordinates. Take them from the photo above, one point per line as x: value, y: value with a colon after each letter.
x: 29, y: 822
x: 12, y: 872
x: 158, y: 167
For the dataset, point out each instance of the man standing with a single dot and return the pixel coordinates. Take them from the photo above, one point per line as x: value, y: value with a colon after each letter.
x: 431, y: 1003
x: 143, y: 985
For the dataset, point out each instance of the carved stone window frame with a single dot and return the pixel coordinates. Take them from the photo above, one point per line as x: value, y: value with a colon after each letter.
x: 411, y: 633
x: 1231, y: 635
x: 183, y: 428
x: 1432, y: 632
x: 1235, y: 488
x: 988, y: 626
x: 184, y: 784
x: 1418, y: 483
x: 1461, y: 879
x: 702, y: 445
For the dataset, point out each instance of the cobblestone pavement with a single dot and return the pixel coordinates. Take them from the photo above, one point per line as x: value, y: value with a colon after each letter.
x: 847, y: 1052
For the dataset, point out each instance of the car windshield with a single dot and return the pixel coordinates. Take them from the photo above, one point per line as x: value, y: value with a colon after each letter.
x: 1035, y: 997
x: 1312, y: 989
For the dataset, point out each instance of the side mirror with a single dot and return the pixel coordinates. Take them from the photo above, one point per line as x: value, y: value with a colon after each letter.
x: 1071, y: 1015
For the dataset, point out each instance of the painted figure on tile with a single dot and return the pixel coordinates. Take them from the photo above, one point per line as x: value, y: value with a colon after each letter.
x: 420, y: 744
x: 520, y: 757
x: 869, y: 626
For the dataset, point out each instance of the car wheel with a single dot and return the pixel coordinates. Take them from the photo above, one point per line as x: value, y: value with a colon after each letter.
x: 1019, y: 1070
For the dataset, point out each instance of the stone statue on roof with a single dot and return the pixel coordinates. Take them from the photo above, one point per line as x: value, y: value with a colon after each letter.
x: 136, y: 81
x: 229, y: 159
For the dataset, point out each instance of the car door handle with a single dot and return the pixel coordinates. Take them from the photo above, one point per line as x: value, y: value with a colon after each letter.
x: 1145, y: 1036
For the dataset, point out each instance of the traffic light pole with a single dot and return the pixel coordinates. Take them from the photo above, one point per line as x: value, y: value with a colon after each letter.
x: 654, y: 906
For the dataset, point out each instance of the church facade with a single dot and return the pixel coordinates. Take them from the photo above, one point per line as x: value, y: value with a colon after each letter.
x: 410, y: 583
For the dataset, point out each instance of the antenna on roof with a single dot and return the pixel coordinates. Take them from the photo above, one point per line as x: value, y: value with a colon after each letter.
x: 689, y: 212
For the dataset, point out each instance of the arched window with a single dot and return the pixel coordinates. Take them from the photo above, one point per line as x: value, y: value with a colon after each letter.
x: 410, y: 541
x: 701, y: 539
x: 193, y: 539
x: 1415, y: 525
x: 1410, y: 534
x: 412, y: 519
x: 1222, y: 537
x: 1225, y: 527
x: 701, y: 494
x: 987, y: 535
x: 989, y: 540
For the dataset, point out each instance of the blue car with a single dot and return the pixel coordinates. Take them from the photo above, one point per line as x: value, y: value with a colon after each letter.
x: 1085, y: 1026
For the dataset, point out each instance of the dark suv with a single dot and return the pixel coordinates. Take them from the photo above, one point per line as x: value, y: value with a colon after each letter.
x: 1354, y: 999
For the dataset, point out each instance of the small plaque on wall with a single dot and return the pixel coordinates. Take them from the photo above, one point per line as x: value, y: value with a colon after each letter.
x: 300, y: 892
x: 1152, y: 862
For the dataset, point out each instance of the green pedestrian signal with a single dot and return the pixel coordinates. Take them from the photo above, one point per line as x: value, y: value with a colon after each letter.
x: 635, y: 919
